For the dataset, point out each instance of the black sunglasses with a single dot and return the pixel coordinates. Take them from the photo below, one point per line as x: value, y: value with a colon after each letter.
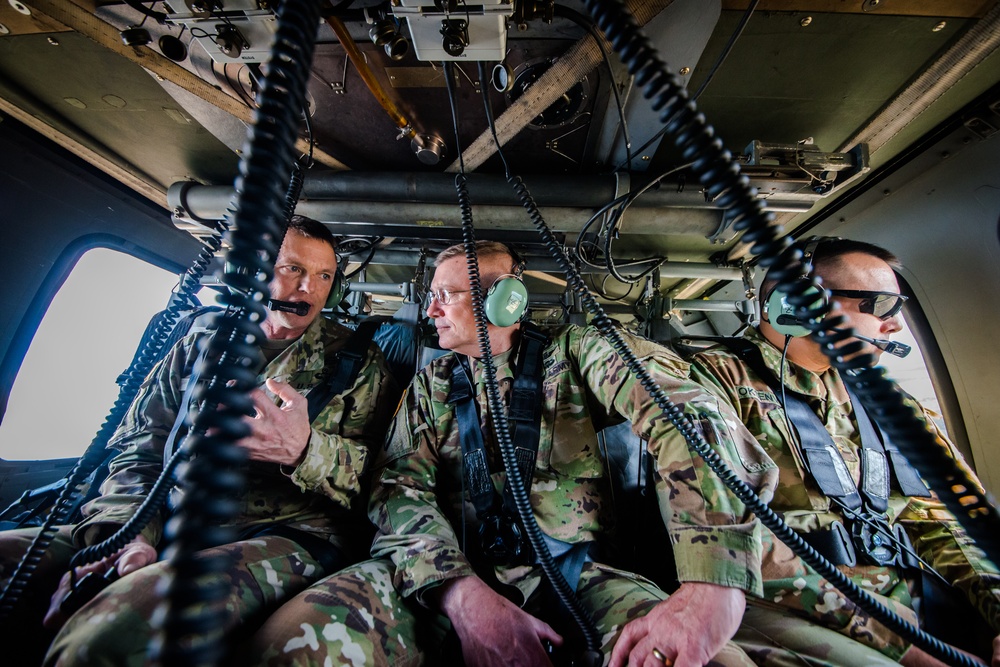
x: 882, y: 305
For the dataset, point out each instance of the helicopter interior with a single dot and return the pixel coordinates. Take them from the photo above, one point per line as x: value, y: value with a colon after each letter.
x: 124, y: 125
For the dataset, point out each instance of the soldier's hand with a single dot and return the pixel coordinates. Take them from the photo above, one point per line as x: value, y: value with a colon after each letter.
x: 916, y: 657
x: 688, y: 629
x: 133, y: 556
x: 277, y: 434
x: 996, y: 652
x: 492, y: 629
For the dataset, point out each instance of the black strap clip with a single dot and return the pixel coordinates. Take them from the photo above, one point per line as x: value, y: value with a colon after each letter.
x: 501, y: 538
x: 874, y: 540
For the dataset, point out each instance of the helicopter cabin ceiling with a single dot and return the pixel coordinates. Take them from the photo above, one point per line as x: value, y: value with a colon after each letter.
x: 811, y: 97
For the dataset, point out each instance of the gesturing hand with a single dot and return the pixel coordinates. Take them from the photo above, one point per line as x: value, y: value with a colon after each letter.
x: 277, y: 434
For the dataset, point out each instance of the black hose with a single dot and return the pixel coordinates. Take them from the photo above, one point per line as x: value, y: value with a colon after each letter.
x: 516, y: 481
x: 724, y: 184
x: 96, y: 451
x: 195, y: 618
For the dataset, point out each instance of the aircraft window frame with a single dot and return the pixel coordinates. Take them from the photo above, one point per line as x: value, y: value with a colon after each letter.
x: 63, y: 291
x: 927, y: 349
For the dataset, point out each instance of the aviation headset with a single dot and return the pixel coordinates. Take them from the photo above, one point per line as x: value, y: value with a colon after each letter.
x: 781, y: 313
x: 507, y: 299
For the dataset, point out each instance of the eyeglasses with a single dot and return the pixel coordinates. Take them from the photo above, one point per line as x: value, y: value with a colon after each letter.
x: 444, y: 296
x: 882, y: 305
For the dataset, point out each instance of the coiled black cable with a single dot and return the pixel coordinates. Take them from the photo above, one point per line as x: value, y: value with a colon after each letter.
x: 698, y: 445
x: 522, y: 502
x: 161, y: 488
x: 194, y: 618
x: 96, y: 451
x: 720, y: 176
x: 294, y: 190
x: 516, y: 482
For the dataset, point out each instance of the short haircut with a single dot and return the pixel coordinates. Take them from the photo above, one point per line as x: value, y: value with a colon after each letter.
x: 828, y: 252
x: 483, y: 249
x: 311, y: 229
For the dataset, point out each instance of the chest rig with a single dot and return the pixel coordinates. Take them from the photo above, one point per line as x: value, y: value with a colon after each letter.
x: 501, y: 537
x: 865, y: 535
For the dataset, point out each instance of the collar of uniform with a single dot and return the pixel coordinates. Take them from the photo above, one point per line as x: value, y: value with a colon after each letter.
x: 307, y: 353
x: 504, y: 363
x: 799, y: 379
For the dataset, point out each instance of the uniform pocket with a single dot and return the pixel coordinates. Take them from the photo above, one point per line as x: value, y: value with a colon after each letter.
x: 568, y: 445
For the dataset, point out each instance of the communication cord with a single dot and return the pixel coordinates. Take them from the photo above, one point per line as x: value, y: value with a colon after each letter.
x: 96, y: 451
x: 519, y: 490
x: 194, y: 618
x: 720, y: 177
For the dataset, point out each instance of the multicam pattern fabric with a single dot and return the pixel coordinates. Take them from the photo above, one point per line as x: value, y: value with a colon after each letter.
x: 431, y: 535
x: 314, y: 497
x: 788, y: 581
x: 113, y: 629
x: 357, y: 618
x: 22, y: 627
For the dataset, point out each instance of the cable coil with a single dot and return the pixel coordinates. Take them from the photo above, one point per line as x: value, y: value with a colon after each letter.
x: 96, y: 451
x: 720, y: 176
x: 195, y: 619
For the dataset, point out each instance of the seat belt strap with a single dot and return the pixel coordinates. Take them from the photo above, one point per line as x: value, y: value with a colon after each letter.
x: 569, y: 558
x: 350, y: 361
x: 524, y: 415
x: 525, y: 412
x: 874, y: 464
x: 470, y: 435
x: 824, y: 461
x: 905, y: 474
x: 182, y: 411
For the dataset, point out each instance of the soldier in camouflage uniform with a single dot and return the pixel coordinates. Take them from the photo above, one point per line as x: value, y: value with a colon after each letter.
x: 820, y: 622
x: 430, y: 575
x: 295, y: 518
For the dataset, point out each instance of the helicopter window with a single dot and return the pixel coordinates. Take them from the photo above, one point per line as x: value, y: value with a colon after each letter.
x: 66, y: 385
x: 910, y: 372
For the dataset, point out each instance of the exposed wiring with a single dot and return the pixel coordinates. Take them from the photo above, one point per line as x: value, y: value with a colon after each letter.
x: 609, y: 230
x: 372, y: 248
x: 715, y: 68
x: 488, y: 106
x: 147, y: 12
x: 726, y: 50
x: 588, y: 25
x: 449, y: 85
x: 724, y: 185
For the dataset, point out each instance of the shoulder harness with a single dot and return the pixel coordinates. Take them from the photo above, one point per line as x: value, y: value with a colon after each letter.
x: 500, y: 534
x: 864, y: 505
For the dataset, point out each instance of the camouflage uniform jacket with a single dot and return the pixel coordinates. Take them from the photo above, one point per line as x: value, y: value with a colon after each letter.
x: 788, y: 581
x: 315, y: 496
x: 417, y: 500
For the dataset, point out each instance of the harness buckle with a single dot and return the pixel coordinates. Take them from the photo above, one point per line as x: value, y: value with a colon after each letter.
x: 874, y: 541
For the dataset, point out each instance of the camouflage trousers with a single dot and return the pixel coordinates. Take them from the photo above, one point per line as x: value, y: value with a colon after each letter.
x: 114, y: 627
x: 356, y: 618
x: 773, y: 637
x: 23, y: 625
